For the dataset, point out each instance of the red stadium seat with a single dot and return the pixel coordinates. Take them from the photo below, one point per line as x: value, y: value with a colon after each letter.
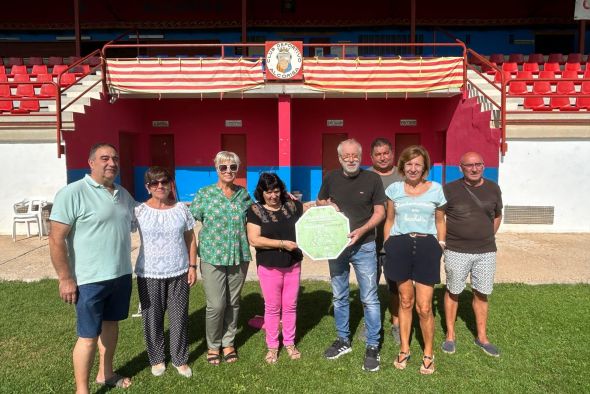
x: 577, y: 67
x: 18, y: 69
x: 44, y: 78
x: 47, y: 90
x: 516, y: 58
x: 575, y: 58
x: 584, y: 102
x: 563, y: 103
x: 5, y: 105
x: 556, y: 58
x: 537, y: 103
x: 3, y: 78
x: 93, y: 61
x: 25, y: 90
x: 511, y: 67
x: 536, y: 58
x: 54, y: 60
x: 525, y: 75
x: 569, y: 74
x: 498, y: 76
x: 81, y: 69
x: 2, y: 69
x: 35, y: 61
x: 587, y: 72
x: 21, y: 78
x: 39, y: 69
x: 27, y: 106
x: 67, y: 79
x: 497, y: 58
x: 532, y: 67
x: 547, y: 75
x: 552, y: 66
x: 72, y: 59
x: 517, y: 87
x: 15, y: 61
x: 58, y: 69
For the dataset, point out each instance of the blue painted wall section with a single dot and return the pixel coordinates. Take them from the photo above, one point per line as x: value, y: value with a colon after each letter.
x: 304, y: 179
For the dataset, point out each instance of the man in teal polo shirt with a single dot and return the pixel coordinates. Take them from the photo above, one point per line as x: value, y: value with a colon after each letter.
x: 90, y: 247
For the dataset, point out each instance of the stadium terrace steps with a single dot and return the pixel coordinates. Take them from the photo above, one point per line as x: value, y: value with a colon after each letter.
x: 526, y: 123
x: 41, y: 127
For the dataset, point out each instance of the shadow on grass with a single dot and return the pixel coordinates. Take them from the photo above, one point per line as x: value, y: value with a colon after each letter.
x: 464, y: 311
x: 311, y: 308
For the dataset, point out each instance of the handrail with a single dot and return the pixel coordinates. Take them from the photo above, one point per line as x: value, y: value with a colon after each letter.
x: 502, y: 106
x: 32, y: 98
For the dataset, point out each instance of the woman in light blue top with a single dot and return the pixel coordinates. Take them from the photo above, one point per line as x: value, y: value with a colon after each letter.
x: 414, y: 237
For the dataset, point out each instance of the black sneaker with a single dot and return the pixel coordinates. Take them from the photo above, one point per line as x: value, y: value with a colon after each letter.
x: 372, y: 359
x: 337, y: 349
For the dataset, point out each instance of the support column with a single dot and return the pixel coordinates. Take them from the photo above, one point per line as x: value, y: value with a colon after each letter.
x: 284, y: 120
x: 244, y: 26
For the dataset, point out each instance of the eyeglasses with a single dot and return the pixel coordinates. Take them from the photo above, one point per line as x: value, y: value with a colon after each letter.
x: 163, y: 182
x: 224, y: 167
x: 472, y: 165
x: 350, y: 157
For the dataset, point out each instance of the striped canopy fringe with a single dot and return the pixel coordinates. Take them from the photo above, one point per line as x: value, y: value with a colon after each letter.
x: 184, y: 76
x: 383, y: 75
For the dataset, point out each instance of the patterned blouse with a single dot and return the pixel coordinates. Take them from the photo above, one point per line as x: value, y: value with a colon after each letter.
x: 222, y: 239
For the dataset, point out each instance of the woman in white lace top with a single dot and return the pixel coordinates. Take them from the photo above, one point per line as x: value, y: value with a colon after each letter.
x: 166, y: 269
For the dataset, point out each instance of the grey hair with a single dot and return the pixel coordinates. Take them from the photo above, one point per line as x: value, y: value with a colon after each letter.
x: 225, y: 156
x: 99, y: 145
x: 350, y: 141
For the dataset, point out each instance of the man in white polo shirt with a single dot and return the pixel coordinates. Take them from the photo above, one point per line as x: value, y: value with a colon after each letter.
x: 90, y: 248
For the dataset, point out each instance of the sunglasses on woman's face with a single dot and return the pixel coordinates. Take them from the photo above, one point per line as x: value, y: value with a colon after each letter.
x: 224, y: 167
x: 163, y: 182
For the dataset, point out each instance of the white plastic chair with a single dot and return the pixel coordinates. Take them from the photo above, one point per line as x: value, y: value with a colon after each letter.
x: 27, y: 212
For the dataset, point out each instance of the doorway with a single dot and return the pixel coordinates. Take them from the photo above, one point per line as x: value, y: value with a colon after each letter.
x: 237, y: 143
x: 402, y: 141
x: 329, y: 151
x: 162, y: 151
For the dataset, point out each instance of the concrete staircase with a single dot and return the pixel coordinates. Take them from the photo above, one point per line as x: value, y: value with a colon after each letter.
x: 42, y: 127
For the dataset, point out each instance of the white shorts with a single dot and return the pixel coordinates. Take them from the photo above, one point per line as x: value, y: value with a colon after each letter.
x: 482, y: 267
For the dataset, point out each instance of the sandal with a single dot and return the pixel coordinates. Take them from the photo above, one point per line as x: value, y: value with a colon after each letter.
x: 401, y: 361
x: 231, y: 356
x: 272, y: 356
x: 213, y: 358
x: 293, y: 352
x: 427, y: 369
x: 116, y: 381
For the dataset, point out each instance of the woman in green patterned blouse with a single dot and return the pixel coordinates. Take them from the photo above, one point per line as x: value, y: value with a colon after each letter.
x: 224, y: 253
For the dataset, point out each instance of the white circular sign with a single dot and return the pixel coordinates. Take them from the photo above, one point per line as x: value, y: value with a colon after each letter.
x: 284, y: 60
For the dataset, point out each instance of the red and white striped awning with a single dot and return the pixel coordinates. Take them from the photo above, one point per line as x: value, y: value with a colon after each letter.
x: 383, y: 75
x: 184, y: 76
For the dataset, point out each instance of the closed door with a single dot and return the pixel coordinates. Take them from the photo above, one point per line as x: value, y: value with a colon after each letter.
x: 162, y: 151
x: 402, y: 141
x: 329, y: 151
x: 237, y: 143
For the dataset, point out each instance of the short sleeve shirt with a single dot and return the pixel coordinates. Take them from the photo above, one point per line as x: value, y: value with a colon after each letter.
x: 356, y: 197
x: 99, y: 241
x: 470, y: 228
x: 163, y: 252
x: 415, y: 214
x: 222, y: 239
x: 277, y: 225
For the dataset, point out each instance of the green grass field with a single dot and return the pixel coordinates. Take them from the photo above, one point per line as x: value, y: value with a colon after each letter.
x: 542, y: 331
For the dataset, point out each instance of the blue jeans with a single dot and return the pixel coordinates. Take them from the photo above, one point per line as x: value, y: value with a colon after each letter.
x: 364, y: 261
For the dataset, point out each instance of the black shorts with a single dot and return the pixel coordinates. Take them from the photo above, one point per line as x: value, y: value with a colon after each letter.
x: 416, y: 258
